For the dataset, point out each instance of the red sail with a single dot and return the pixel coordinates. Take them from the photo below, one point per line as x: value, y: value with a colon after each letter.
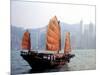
x: 67, y: 48
x: 53, y: 37
x: 26, y: 41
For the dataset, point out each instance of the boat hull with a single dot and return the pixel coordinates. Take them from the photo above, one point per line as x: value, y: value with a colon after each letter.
x: 38, y: 63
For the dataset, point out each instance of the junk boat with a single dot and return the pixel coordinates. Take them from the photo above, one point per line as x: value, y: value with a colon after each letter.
x: 51, y: 57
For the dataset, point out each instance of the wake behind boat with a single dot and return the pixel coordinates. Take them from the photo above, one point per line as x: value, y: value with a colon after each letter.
x: 52, y: 56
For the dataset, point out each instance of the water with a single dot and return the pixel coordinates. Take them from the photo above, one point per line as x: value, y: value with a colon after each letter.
x: 83, y: 60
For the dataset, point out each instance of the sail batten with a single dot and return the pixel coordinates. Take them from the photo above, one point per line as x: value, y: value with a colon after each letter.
x: 53, y: 35
x: 51, y: 40
x: 54, y: 28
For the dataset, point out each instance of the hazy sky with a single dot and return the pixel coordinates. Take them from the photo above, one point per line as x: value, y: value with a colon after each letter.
x: 36, y: 14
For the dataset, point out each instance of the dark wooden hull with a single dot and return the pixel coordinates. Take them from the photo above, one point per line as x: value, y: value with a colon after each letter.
x: 36, y: 61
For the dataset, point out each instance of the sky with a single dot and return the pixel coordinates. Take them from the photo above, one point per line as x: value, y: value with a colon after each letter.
x: 38, y: 14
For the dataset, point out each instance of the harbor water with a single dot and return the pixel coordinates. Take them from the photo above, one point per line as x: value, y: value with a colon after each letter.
x: 83, y: 60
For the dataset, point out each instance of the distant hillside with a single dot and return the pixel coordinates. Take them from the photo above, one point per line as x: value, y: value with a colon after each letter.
x: 79, y: 40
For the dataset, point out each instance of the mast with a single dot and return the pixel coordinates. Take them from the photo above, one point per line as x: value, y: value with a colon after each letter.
x: 53, y: 37
x: 59, y: 35
x: 26, y: 41
x: 67, y: 47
